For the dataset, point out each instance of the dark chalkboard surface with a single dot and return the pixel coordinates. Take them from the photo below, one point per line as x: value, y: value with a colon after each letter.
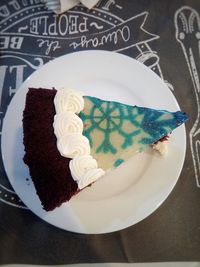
x: 165, y: 36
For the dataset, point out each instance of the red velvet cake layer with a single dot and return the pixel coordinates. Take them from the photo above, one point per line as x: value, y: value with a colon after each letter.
x: 48, y: 169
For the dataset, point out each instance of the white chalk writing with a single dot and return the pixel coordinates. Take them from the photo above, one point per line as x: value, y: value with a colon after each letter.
x: 15, y: 73
x: 187, y: 25
x: 18, y: 72
x: 61, y: 25
x: 13, y: 42
x: 51, y: 45
x: 111, y: 37
x: 14, y: 5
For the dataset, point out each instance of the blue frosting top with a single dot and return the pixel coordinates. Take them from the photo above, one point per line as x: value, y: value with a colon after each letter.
x: 145, y: 125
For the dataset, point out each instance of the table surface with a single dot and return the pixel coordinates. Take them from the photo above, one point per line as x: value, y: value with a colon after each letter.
x: 167, y: 40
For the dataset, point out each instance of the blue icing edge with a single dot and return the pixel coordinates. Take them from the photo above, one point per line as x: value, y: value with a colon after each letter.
x: 118, y: 162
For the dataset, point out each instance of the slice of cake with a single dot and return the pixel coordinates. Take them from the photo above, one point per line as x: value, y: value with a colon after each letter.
x: 72, y: 140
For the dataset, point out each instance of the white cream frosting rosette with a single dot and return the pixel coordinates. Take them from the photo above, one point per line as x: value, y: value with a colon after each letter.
x: 71, y: 143
x: 90, y: 177
x: 84, y: 170
x: 68, y: 100
x: 67, y: 122
x: 80, y: 165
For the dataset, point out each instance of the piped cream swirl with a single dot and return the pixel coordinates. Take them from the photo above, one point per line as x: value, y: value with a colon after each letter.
x: 80, y: 165
x: 90, y: 177
x: 71, y: 143
x: 68, y: 100
x: 67, y: 122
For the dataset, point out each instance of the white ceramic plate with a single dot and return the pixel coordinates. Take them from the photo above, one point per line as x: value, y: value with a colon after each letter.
x: 131, y: 192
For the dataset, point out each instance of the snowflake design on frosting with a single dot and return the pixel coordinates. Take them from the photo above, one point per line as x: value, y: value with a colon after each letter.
x: 109, y: 117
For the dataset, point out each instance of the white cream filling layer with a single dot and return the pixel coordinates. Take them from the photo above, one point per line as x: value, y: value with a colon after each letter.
x: 161, y: 147
x: 71, y: 142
